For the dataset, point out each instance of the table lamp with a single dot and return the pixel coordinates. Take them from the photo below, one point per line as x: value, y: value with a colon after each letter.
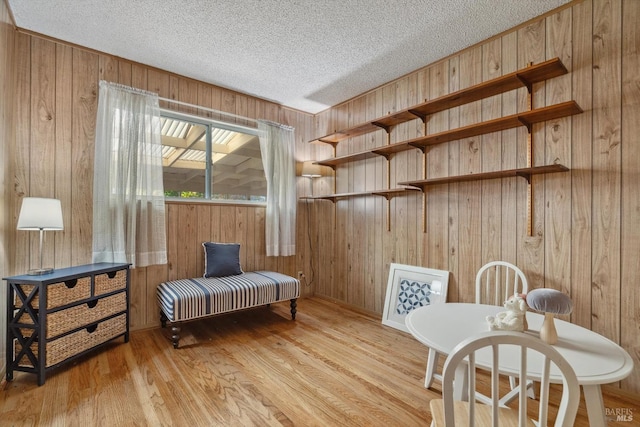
x: 311, y: 170
x: 40, y: 214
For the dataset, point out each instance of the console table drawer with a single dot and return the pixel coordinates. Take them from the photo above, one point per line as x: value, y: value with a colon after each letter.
x: 105, y: 284
x: 70, y: 345
x: 59, y: 294
x: 84, y: 314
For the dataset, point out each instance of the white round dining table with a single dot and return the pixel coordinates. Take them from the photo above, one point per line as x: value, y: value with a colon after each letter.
x: 595, y: 359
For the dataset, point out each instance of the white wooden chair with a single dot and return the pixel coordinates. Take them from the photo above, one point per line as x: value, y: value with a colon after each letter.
x: 461, y: 365
x: 496, y: 281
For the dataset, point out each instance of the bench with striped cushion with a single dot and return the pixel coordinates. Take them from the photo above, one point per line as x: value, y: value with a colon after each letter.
x: 190, y: 299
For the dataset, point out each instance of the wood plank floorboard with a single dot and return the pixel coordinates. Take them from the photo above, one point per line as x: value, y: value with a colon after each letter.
x: 332, y: 366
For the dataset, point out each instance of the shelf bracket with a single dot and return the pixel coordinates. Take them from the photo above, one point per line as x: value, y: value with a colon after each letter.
x: 334, y: 144
x: 419, y: 115
x: 525, y: 175
x: 424, y: 148
x: 526, y: 124
x: 387, y: 128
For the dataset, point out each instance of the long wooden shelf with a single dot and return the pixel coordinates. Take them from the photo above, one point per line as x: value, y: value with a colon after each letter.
x: 525, y: 77
x: 525, y: 173
x: 387, y: 194
x: 333, y: 162
x: 527, y: 119
x: 384, y: 151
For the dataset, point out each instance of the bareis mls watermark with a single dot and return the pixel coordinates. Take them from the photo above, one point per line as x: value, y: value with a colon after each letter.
x: 619, y: 414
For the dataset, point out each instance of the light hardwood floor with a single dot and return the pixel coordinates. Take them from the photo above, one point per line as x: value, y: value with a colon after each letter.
x: 332, y: 366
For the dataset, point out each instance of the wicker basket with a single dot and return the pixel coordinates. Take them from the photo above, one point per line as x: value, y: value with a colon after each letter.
x: 104, y: 284
x: 59, y: 294
x: 77, y: 342
x: 83, y: 314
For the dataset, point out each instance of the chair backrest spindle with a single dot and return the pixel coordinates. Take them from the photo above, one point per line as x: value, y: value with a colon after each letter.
x: 531, y: 350
x: 497, y: 281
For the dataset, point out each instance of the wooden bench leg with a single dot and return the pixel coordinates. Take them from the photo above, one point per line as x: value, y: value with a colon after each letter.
x: 294, y: 304
x: 163, y: 319
x: 175, y: 330
x: 175, y: 335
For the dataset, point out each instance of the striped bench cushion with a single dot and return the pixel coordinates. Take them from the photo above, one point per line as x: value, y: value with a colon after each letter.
x: 188, y: 299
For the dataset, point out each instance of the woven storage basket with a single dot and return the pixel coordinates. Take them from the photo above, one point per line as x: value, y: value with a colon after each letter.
x: 77, y: 342
x: 59, y: 293
x: 83, y: 314
x: 104, y: 284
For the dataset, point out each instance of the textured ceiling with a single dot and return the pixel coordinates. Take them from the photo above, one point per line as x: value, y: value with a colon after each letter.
x: 307, y: 55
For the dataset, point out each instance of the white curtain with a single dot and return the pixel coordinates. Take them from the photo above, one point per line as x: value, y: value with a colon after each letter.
x: 277, y: 145
x: 128, y: 194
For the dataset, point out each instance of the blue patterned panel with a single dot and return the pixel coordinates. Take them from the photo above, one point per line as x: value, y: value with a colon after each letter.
x: 412, y: 294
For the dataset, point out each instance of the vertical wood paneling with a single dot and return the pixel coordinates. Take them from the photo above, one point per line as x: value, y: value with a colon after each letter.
x: 389, y: 237
x: 171, y: 214
x: 109, y: 70
x: 581, y: 162
x: 203, y: 233
x: 22, y: 163
x: 241, y: 232
x: 124, y: 72
x: 605, y: 307
x: 453, y: 219
x: 138, y: 76
x: 469, y: 194
x: 437, y: 165
x: 356, y: 245
x: 375, y: 209
x: 7, y: 150
x: 531, y: 42
x: 187, y: 237
x: 558, y: 149
x: 509, y: 157
x: 491, y: 155
x: 585, y: 238
x: 63, y: 170
x: 42, y: 146
x: 630, y: 244
x: 83, y: 123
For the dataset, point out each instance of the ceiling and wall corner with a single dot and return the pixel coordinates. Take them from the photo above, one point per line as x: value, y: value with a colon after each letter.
x: 301, y: 54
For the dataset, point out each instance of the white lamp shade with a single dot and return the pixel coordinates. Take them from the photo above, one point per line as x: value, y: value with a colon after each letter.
x: 309, y: 169
x: 39, y: 213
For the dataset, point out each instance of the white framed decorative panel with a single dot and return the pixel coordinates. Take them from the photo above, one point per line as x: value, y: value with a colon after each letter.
x: 410, y: 287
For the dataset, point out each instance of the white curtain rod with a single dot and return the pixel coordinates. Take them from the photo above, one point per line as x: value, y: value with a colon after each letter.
x: 186, y: 104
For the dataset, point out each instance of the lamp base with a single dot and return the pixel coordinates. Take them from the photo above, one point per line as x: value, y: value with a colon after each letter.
x: 40, y: 271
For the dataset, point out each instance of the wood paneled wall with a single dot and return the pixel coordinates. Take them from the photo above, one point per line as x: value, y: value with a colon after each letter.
x: 586, y: 223
x: 586, y: 234
x: 6, y: 136
x: 56, y: 91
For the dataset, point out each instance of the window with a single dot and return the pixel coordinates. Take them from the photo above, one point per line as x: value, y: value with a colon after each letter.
x: 212, y: 160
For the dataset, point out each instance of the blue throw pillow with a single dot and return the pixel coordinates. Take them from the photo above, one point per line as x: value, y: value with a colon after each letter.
x: 221, y: 259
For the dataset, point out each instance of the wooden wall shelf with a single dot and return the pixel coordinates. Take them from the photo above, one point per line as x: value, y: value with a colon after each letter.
x: 522, y: 78
x: 527, y: 118
x: 525, y: 173
x: 387, y: 194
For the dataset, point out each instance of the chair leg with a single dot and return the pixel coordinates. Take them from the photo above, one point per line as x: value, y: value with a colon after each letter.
x: 432, y: 363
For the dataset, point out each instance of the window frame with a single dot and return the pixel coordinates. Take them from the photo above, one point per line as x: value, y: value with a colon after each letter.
x: 210, y: 123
